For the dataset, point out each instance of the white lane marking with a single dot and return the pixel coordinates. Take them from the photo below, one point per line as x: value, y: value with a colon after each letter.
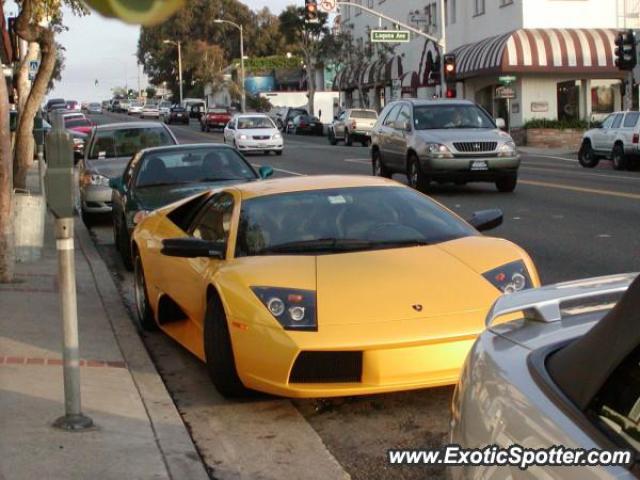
x: 283, y: 170
x: 604, y: 235
x: 533, y: 155
x: 364, y: 161
x: 582, y: 173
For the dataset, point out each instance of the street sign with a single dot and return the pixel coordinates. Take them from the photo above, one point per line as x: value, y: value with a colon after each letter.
x: 328, y: 6
x: 390, y: 36
x: 507, y: 79
x: 505, y: 93
x: 34, y: 65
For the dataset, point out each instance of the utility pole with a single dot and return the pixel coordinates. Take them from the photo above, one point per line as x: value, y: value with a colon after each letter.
x: 179, y: 45
x: 242, y: 73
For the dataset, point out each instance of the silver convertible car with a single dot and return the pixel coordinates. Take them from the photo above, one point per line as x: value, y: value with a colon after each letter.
x: 564, y: 375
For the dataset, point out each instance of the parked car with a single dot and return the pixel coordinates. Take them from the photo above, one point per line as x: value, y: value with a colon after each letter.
x: 215, y: 118
x: 73, y: 105
x: 150, y: 110
x: 158, y: 176
x: 94, y: 107
x: 107, y: 153
x: 305, y: 124
x: 176, y: 114
x: 195, y: 106
x: 357, y: 272
x: 135, y: 108
x: 351, y: 125
x: 79, y: 124
x: 254, y: 132
x: 565, y: 371
x: 164, y: 107
x: 106, y: 105
x: 444, y: 141
x: 53, y: 105
x: 616, y: 140
x: 284, y: 116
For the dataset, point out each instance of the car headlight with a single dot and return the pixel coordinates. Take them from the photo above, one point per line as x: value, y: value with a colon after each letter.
x: 92, y: 178
x: 507, y: 149
x: 242, y: 136
x: 509, y: 278
x: 139, y: 216
x: 277, y: 136
x: 293, y: 309
x: 438, y: 150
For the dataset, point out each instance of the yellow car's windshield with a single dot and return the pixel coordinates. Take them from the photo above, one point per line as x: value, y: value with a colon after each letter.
x: 347, y: 219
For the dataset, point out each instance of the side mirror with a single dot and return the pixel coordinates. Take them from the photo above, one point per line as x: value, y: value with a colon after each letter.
x: 484, y: 220
x: 265, y: 171
x: 116, y: 183
x: 189, y: 247
x: 500, y: 123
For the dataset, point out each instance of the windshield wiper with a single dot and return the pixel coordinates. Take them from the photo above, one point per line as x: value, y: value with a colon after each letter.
x: 319, y: 245
x: 162, y: 184
x: 410, y: 242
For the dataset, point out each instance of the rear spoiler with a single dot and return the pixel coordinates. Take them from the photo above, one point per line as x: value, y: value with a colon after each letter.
x: 543, y: 304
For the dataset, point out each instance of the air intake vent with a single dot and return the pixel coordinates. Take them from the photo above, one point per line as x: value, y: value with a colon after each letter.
x: 327, y: 367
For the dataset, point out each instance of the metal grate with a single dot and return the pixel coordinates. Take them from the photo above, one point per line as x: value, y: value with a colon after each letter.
x: 474, y: 147
x: 261, y: 137
x: 327, y: 367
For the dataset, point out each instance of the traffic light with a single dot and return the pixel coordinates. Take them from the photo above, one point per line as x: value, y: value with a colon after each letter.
x: 311, y: 11
x: 626, y: 51
x: 450, y: 68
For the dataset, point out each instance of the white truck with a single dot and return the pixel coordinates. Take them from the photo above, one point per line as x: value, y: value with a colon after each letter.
x: 326, y: 104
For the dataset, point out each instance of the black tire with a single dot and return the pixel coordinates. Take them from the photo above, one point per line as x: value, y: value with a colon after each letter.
x: 206, y: 128
x: 218, y: 350
x: 143, y: 308
x: 507, y: 184
x: 618, y: 158
x: 124, y: 245
x: 348, y: 141
x: 279, y: 152
x: 378, y: 168
x: 365, y: 143
x: 89, y: 219
x: 586, y: 156
x: 332, y: 138
x: 415, y: 176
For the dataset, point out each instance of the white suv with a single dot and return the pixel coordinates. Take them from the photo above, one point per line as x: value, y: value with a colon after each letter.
x: 616, y: 140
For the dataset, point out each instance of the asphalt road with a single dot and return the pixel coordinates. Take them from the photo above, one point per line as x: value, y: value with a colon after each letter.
x: 574, y: 223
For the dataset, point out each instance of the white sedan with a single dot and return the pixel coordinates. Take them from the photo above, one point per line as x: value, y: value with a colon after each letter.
x: 254, y: 132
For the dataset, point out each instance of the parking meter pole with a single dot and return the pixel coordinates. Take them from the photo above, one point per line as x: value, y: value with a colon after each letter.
x: 60, y: 201
x: 41, y: 169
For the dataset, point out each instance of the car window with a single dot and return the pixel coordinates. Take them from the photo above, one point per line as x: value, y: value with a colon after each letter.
x: 255, y: 122
x: 214, y: 221
x: 342, y: 116
x: 617, y: 121
x: 193, y: 165
x: 77, y: 122
x: 126, y: 142
x: 616, y: 407
x: 404, y: 115
x: 608, y: 121
x: 631, y: 119
x: 231, y: 125
x: 391, y: 116
x: 431, y: 117
x: 363, y: 114
x: 371, y: 217
x: 126, y: 177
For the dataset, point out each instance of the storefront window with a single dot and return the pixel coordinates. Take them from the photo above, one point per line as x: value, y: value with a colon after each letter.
x: 602, y: 99
x: 568, y: 100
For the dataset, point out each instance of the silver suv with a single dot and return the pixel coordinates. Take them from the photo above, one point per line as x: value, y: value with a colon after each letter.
x: 353, y: 125
x: 444, y: 141
x: 617, y: 139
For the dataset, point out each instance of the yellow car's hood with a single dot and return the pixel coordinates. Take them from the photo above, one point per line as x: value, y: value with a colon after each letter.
x: 403, y: 284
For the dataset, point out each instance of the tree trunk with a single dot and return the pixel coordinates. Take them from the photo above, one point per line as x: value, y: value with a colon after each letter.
x: 311, y: 84
x: 22, y: 82
x: 7, y: 253
x: 24, y: 135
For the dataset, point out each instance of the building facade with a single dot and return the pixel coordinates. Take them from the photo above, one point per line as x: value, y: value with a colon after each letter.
x: 561, y: 53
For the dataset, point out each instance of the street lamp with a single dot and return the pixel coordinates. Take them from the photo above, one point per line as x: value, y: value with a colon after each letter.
x: 239, y: 27
x: 171, y: 42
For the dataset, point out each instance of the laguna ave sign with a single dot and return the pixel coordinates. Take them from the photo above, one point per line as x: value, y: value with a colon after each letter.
x: 390, y: 36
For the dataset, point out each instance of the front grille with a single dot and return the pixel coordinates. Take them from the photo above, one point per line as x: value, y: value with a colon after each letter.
x: 327, y: 367
x: 261, y: 137
x: 473, y: 147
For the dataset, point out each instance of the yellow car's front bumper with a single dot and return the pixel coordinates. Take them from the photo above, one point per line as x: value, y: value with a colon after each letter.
x: 351, y: 359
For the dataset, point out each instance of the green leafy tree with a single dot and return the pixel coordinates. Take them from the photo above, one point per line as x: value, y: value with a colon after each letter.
x: 308, y: 39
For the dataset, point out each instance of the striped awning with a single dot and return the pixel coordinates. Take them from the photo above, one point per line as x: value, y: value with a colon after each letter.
x: 541, y: 50
x: 409, y: 82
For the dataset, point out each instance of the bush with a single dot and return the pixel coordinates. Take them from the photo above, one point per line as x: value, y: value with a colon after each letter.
x: 557, y: 124
x: 258, y: 103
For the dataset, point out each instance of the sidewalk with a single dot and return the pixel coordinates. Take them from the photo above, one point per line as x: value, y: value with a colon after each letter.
x: 549, y: 151
x: 139, y: 433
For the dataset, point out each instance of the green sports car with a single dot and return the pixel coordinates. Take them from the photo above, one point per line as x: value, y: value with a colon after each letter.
x: 156, y: 177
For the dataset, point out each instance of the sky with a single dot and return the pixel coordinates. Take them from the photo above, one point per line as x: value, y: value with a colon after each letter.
x: 102, y: 49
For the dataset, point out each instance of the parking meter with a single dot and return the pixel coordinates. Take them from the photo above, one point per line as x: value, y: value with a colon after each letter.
x: 60, y: 175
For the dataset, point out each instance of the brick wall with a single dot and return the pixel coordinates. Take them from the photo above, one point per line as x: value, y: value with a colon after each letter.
x: 552, y: 138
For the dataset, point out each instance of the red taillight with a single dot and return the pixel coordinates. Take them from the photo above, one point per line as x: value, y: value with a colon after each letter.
x: 303, y: 124
x: 451, y: 92
x: 636, y: 137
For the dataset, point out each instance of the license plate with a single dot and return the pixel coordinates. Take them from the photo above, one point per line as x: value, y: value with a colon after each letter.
x: 479, y: 165
x: 313, y: 124
x: 179, y: 114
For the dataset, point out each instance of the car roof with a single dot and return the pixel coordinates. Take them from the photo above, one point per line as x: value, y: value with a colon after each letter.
x: 426, y: 102
x: 128, y: 125
x: 185, y: 146
x: 246, y: 115
x: 308, y: 183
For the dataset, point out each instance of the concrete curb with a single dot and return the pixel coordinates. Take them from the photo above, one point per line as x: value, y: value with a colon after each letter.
x: 181, y: 458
